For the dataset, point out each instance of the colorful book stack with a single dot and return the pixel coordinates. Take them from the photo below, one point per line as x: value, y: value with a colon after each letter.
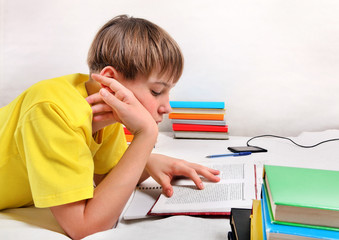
x: 200, y: 120
x: 300, y: 203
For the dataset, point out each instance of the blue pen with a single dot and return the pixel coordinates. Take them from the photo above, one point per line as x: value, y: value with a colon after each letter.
x: 230, y: 155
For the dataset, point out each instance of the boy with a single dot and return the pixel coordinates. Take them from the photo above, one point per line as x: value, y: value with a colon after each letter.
x: 62, y: 133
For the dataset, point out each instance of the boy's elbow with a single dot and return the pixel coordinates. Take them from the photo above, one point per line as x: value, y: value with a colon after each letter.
x: 82, y: 229
x: 76, y: 225
x: 81, y: 232
x: 76, y: 233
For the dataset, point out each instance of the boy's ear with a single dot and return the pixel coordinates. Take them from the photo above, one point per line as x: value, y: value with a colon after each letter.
x: 110, y: 72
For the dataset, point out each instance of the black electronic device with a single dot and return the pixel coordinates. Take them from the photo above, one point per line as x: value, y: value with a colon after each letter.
x: 252, y: 149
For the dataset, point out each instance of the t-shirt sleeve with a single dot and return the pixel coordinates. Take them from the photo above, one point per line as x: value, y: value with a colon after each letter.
x: 59, y: 162
x: 111, y: 150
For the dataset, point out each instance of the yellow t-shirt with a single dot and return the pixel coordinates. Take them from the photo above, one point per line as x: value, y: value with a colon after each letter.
x: 47, y: 153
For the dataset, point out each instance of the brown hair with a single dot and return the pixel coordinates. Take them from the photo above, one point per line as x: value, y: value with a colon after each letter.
x: 135, y: 46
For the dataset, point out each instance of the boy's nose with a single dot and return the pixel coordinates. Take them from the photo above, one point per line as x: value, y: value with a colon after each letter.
x: 165, y: 108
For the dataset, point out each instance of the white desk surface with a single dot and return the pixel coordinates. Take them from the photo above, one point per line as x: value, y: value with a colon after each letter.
x: 32, y: 223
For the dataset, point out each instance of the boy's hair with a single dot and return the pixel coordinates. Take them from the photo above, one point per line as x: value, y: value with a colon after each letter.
x: 135, y: 46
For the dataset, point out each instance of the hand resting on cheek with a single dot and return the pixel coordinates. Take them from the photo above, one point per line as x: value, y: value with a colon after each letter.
x: 116, y: 103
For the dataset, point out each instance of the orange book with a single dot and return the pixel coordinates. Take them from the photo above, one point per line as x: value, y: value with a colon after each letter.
x: 129, y: 137
x: 196, y: 116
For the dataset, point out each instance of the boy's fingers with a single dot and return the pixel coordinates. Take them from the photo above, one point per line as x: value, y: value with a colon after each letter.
x: 109, y: 98
x: 101, y: 108
x: 213, y: 171
x: 210, y: 176
x: 209, y: 173
x: 193, y: 175
x: 165, y: 183
x: 113, y: 84
x: 206, y: 172
x: 113, y: 101
x: 168, y: 190
x: 94, y: 98
x: 103, y: 117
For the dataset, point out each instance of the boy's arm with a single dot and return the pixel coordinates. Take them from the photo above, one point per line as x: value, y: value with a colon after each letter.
x: 101, y: 212
x: 145, y: 175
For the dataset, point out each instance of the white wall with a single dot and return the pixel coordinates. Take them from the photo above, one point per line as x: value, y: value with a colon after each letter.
x: 274, y: 62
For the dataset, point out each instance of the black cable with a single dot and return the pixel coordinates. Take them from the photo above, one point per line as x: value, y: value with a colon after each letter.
x: 299, y: 145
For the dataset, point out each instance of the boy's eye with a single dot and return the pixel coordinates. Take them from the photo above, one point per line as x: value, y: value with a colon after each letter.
x: 154, y: 93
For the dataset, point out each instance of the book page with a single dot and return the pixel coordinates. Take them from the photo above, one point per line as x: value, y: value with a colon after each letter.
x: 235, y: 189
x: 212, y: 192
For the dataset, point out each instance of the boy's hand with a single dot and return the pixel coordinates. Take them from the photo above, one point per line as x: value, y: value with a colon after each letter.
x: 163, y: 168
x: 116, y: 103
x: 102, y: 113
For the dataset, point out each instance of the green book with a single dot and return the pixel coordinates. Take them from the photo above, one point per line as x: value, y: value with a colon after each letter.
x: 303, y: 195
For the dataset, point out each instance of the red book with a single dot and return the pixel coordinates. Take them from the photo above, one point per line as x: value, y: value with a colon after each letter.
x: 201, y: 128
x: 127, y: 132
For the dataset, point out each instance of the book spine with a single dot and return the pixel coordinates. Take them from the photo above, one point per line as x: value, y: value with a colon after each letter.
x: 196, y: 104
x: 199, y: 122
x: 196, y: 116
x: 129, y: 138
x: 199, y: 110
x: 127, y: 132
x: 206, y: 128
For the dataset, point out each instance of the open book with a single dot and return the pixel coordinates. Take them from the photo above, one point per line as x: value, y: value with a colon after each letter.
x: 236, y: 188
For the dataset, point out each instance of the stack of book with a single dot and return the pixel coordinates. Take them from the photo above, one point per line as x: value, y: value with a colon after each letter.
x: 296, y: 203
x: 300, y: 203
x: 200, y: 120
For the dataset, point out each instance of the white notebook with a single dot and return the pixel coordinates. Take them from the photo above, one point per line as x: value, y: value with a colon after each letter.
x: 143, y: 199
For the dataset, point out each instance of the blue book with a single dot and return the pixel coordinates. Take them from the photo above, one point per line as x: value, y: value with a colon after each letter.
x: 263, y: 221
x: 194, y: 104
x: 274, y: 231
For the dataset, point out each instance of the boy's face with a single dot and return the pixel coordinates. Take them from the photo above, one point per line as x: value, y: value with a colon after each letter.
x: 153, y: 94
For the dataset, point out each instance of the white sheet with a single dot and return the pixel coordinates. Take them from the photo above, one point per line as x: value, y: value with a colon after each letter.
x: 32, y: 223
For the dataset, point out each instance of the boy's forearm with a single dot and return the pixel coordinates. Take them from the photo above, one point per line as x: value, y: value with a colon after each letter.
x: 143, y: 176
x: 118, y: 185
x: 110, y: 196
